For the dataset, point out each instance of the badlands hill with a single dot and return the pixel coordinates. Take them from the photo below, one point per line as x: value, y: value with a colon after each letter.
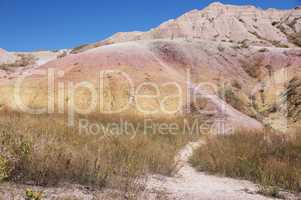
x: 237, y: 53
x: 225, y: 23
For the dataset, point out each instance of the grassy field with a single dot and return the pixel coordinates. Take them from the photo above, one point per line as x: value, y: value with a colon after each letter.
x: 267, y: 158
x: 42, y: 150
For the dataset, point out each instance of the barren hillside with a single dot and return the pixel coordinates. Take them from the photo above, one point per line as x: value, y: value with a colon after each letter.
x: 235, y: 48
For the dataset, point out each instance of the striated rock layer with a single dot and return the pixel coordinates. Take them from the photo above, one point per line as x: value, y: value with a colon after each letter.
x: 218, y: 22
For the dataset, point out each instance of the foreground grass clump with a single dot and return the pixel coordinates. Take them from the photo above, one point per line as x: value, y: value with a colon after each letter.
x: 263, y: 157
x: 31, y: 195
x: 46, y: 152
x: 3, y: 168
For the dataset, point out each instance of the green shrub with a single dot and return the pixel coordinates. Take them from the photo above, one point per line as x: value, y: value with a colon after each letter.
x: 230, y: 97
x: 32, y: 195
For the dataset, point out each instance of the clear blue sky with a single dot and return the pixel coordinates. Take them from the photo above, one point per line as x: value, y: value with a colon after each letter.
x: 54, y: 24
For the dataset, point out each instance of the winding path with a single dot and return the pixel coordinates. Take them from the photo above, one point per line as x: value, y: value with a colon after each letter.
x: 188, y: 184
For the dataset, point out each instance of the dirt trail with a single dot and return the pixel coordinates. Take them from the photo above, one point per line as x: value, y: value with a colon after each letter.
x: 188, y: 184
x: 185, y: 184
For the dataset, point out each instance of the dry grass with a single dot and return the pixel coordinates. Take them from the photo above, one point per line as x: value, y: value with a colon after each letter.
x: 291, y: 98
x: 263, y: 157
x: 46, y: 152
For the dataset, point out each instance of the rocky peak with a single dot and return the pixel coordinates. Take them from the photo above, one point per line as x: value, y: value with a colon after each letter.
x: 216, y: 4
x: 221, y: 6
x: 242, y: 25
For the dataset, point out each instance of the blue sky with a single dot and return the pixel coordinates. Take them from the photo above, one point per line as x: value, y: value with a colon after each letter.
x: 54, y: 24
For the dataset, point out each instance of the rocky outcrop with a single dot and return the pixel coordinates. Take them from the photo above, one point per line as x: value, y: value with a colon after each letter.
x: 219, y: 22
x: 293, y: 99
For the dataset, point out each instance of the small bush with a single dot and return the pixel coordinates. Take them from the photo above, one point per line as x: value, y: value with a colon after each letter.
x: 229, y: 96
x: 4, y: 167
x: 270, y: 192
x: 32, y: 195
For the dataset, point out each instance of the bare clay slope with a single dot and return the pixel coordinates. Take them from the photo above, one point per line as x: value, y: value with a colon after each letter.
x: 187, y: 63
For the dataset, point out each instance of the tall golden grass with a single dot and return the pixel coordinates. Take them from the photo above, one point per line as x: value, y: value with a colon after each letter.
x: 42, y: 150
x: 264, y: 157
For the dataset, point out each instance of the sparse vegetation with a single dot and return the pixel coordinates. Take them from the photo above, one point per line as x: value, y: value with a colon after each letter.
x: 279, y: 44
x: 79, y: 49
x: 270, y: 159
x: 273, y: 42
x: 23, y: 61
x: 232, y: 94
x: 295, y: 38
x: 230, y: 97
x: 291, y: 97
x: 270, y: 192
